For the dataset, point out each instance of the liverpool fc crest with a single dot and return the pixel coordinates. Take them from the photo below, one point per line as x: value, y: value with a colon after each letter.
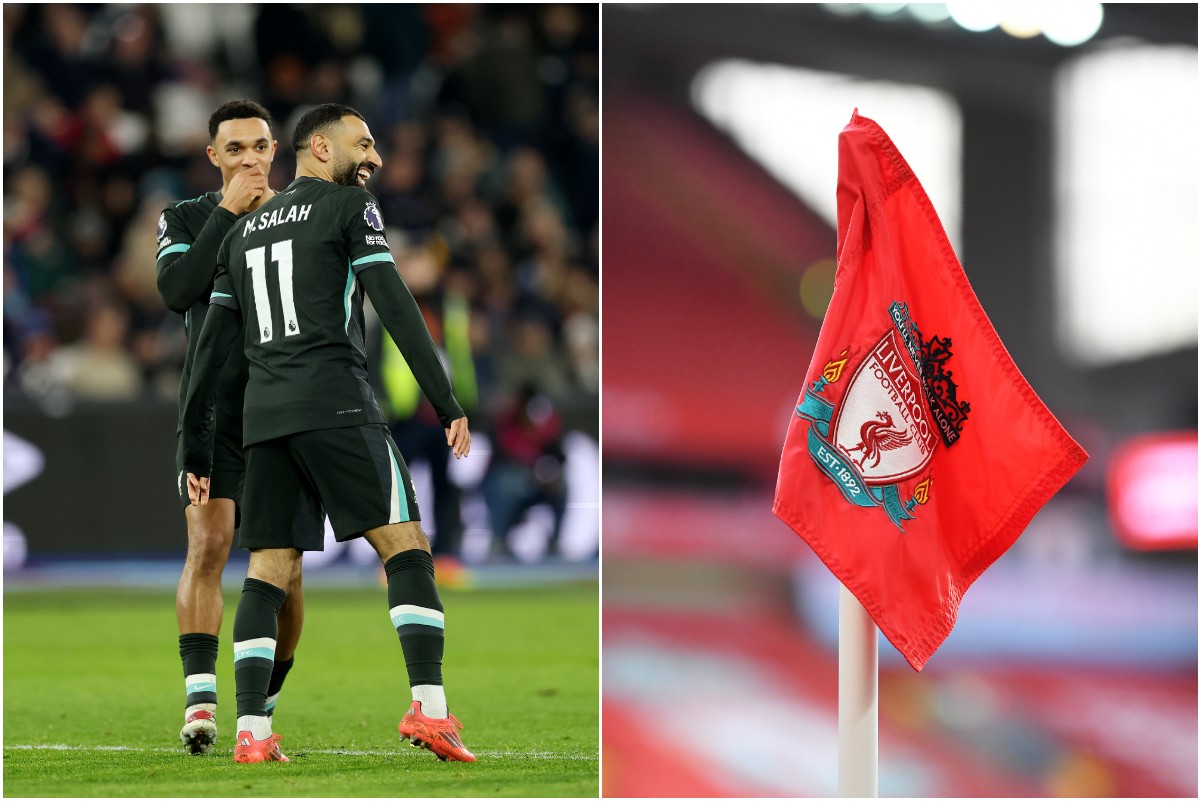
x: 897, y: 407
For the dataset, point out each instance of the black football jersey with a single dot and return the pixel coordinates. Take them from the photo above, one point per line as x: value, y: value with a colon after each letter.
x: 189, y: 236
x: 290, y: 270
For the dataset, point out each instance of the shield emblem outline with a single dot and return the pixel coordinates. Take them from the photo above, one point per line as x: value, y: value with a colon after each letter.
x: 872, y: 420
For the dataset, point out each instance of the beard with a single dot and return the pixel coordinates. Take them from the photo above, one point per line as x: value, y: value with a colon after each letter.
x: 346, y: 173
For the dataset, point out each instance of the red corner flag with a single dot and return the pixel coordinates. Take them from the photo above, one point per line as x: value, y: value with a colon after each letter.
x: 917, y: 453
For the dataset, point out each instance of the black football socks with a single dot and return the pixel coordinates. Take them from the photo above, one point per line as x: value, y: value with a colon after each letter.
x: 416, y: 613
x: 199, y: 655
x: 255, y: 629
x: 278, y: 674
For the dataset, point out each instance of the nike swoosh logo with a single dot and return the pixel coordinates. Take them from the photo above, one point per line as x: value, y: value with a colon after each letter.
x: 199, y: 688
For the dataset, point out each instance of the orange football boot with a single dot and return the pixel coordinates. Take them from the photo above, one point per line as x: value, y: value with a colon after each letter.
x: 439, y: 735
x: 248, y: 750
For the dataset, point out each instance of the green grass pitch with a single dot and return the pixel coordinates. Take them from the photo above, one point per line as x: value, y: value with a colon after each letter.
x: 93, y: 698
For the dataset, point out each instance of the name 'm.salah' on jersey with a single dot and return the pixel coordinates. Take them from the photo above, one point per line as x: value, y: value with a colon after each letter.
x: 290, y: 270
x: 189, y: 236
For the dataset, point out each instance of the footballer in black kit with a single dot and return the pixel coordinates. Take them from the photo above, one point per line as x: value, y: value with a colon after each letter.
x: 191, y: 231
x: 294, y: 268
x: 290, y: 284
x: 242, y: 147
x: 291, y: 270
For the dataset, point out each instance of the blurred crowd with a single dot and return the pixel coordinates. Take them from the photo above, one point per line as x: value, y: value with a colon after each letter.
x: 487, y: 120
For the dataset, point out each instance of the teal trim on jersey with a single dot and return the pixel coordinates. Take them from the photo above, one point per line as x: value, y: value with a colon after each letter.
x: 180, y: 248
x: 401, y: 496
x: 348, y: 293
x: 218, y: 295
x: 192, y: 200
x: 374, y: 257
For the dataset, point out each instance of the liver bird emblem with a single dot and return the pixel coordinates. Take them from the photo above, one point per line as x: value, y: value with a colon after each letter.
x: 877, y: 436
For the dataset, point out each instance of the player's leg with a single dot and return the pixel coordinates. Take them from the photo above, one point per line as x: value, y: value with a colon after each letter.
x: 509, y: 490
x: 199, y: 607
x: 418, y: 617
x: 275, y: 495
x: 255, y: 633
x: 556, y: 497
x: 415, y: 608
x: 198, y: 602
x: 291, y: 621
x: 367, y: 491
x: 308, y: 530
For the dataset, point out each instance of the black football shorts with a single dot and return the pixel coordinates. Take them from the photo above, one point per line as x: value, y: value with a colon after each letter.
x: 356, y: 473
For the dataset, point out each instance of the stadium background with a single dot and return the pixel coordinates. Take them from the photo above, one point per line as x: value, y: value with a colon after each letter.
x: 487, y: 119
x: 1072, y: 671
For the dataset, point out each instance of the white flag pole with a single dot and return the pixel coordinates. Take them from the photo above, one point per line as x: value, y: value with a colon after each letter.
x: 858, y: 700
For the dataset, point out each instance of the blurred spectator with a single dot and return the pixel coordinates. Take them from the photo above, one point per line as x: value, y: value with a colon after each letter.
x: 415, y: 426
x: 527, y: 465
x: 136, y: 57
x: 529, y: 355
x: 459, y: 160
x: 96, y: 368
x: 395, y: 39
x: 496, y: 78
x: 581, y: 329
x: 156, y: 340
x: 405, y: 194
x: 32, y: 248
x: 29, y: 357
x: 58, y: 50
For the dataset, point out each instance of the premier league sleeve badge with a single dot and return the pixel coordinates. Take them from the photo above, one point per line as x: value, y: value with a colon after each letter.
x: 373, y: 217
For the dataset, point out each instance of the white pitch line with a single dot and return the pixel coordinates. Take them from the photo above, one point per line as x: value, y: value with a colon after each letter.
x: 330, y: 751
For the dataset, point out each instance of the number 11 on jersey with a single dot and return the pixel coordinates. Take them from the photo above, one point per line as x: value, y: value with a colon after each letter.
x: 256, y: 263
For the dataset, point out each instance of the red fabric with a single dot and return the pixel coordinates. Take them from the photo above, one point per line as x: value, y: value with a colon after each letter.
x: 905, y: 520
